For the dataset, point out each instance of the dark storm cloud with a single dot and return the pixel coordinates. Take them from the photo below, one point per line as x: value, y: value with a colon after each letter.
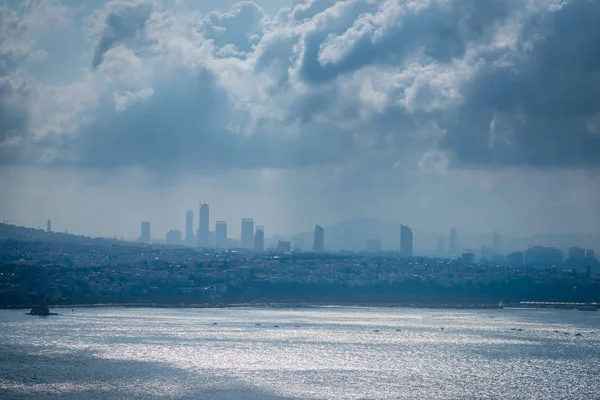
x: 544, y: 104
x: 183, y: 127
x: 441, y: 32
x: 121, y: 22
x: 508, y: 82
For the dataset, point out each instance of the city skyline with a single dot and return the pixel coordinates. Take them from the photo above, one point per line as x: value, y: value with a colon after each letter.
x: 432, y: 140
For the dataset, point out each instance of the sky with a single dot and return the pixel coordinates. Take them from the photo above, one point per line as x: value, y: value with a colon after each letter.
x: 479, y: 115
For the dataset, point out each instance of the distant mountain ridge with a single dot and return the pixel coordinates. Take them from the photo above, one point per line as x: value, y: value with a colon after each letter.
x: 22, y: 233
x: 353, y: 235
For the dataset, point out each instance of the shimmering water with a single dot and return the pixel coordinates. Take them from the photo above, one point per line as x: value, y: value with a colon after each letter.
x: 317, y: 353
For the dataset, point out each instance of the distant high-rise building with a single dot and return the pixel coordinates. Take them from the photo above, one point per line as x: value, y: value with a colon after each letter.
x: 374, y: 245
x: 516, y: 259
x: 496, y: 245
x: 145, y: 234
x: 203, y: 230
x: 284, y: 246
x: 487, y: 253
x: 453, y: 244
x: 319, y: 241
x: 467, y: 257
x: 576, y: 253
x: 406, y: 241
x: 189, y: 228
x: 259, y: 239
x: 589, y: 253
x: 221, y: 235
x: 48, y: 226
x: 540, y: 256
x: 439, y: 251
x: 174, y: 237
x: 247, y: 241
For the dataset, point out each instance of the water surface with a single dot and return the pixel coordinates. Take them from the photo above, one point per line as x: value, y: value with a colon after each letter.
x: 314, y: 353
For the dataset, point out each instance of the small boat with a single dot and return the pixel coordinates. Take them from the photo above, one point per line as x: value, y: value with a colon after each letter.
x: 42, y: 310
x: 275, y: 326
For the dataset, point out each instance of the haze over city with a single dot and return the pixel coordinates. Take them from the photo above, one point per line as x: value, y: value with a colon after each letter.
x: 476, y: 115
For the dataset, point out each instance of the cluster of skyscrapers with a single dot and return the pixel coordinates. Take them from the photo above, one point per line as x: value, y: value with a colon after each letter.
x: 252, y: 237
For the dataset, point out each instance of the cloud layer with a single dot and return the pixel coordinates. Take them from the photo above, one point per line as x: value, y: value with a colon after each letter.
x: 426, y: 84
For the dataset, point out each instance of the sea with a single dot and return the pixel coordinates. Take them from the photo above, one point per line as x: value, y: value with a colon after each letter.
x: 300, y: 353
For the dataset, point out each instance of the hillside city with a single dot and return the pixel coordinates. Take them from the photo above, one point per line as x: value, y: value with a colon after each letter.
x: 69, y: 269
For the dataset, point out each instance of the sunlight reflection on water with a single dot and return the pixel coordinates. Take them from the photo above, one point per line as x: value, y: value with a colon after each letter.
x: 319, y: 353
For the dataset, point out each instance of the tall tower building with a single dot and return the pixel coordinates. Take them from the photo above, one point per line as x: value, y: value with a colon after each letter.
x: 189, y: 227
x: 496, y: 243
x: 247, y: 233
x: 221, y: 235
x: 145, y: 234
x: 439, y: 251
x: 453, y: 244
x: 203, y: 226
x: 406, y: 241
x: 259, y: 239
x: 48, y: 226
x: 319, y: 241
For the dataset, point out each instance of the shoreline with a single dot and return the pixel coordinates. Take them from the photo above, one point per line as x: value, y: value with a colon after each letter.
x: 269, y: 305
x: 441, y: 306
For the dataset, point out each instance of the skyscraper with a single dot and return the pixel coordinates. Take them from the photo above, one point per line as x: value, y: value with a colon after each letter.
x: 319, y: 242
x: 221, y: 235
x: 284, y: 246
x: 203, y: 226
x: 406, y: 241
x: 189, y: 227
x: 174, y: 237
x: 48, y: 226
x: 145, y: 234
x: 453, y: 244
x: 259, y: 239
x: 247, y: 233
x: 496, y: 243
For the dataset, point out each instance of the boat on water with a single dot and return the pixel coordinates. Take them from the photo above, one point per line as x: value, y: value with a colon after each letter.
x: 42, y: 309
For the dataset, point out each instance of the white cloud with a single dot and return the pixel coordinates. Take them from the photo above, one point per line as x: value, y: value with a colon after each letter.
x: 361, y: 93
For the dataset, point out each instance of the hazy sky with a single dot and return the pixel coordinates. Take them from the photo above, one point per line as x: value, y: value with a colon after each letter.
x: 434, y: 113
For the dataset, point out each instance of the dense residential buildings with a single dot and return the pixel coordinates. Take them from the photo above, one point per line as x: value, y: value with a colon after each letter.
x: 221, y: 235
x: 319, y: 240
x: 247, y: 236
x: 145, y: 232
x: 203, y: 226
x: 406, y: 241
x: 107, y: 272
